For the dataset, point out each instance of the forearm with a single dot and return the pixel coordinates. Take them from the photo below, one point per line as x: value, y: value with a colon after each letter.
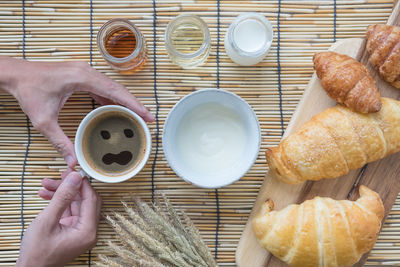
x: 10, y: 70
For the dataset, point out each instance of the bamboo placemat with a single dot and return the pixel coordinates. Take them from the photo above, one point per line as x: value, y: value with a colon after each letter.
x: 66, y: 30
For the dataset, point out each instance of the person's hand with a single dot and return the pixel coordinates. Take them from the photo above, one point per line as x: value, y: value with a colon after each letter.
x: 66, y: 228
x: 43, y: 88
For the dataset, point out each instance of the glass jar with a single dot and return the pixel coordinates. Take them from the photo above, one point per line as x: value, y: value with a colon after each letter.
x: 187, y: 40
x: 122, y: 45
x: 248, y: 39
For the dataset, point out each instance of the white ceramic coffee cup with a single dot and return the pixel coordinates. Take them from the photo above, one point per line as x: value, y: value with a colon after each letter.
x: 81, y: 157
x: 225, y: 176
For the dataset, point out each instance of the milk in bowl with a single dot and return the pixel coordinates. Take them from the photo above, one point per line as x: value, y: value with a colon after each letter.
x: 211, y: 138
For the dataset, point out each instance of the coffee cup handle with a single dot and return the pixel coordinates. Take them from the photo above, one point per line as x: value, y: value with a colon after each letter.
x: 83, y: 174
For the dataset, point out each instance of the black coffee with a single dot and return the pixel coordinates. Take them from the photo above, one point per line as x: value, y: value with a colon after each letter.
x: 113, y: 143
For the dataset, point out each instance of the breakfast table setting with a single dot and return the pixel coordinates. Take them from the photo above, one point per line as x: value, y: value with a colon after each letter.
x: 258, y: 105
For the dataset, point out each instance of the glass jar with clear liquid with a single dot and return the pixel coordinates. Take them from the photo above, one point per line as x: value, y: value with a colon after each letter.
x: 187, y: 40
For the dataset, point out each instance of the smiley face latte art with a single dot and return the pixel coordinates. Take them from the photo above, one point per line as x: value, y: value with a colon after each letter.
x: 113, y: 143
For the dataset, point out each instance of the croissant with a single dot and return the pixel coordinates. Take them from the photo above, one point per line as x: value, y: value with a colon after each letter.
x: 321, y: 231
x: 383, y: 46
x: 336, y: 141
x: 347, y: 81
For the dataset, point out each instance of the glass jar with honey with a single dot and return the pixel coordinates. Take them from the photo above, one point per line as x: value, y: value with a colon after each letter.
x: 122, y: 45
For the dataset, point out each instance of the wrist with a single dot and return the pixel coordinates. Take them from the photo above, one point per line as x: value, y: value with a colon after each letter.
x: 23, y: 262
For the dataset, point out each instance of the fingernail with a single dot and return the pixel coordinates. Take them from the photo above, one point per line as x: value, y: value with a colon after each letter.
x: 70, y: 160
x: 74, y: 179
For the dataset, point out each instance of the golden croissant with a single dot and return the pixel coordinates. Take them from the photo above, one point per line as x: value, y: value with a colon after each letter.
x: 383, y: 46
x: 321, y: 231
x: 347, y: 81
x: 336, y: 141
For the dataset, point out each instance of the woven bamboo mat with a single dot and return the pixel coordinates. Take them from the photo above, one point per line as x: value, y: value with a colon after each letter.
x: 66, y: 30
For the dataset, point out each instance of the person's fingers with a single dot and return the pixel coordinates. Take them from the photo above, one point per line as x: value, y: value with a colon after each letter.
x: 75, y: 206
x: 53, y: 132
x: 101, y: 100
x: 67, y: 212
x: 69, y: 221
x: 90, y: 212
x: 51, y: 184
x: 63, y: 197
x: 122, y: 96
x: 103, y: 86
x: 66, y: 172
x: 45, y: 194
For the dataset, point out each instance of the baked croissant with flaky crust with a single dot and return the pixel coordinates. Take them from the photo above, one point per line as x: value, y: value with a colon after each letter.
x: 383, y: 46
x: 321, y: 231
x: 347, y: 81
x: 336, y: 141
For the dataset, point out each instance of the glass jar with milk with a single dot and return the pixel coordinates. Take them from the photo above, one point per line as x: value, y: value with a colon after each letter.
x: 248, y: 39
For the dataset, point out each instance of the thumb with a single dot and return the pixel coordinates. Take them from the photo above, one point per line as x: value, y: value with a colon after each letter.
x: 61, y: 142
x: 65, y: 194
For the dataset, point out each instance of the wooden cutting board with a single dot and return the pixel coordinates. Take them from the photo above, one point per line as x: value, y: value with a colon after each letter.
x: 382, y: 176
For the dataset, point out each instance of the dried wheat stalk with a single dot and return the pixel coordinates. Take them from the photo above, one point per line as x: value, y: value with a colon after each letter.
x: 155, y: 235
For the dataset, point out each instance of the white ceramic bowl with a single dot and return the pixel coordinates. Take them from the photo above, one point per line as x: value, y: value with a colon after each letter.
x: 81, y: 158
x: 224, y: 176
